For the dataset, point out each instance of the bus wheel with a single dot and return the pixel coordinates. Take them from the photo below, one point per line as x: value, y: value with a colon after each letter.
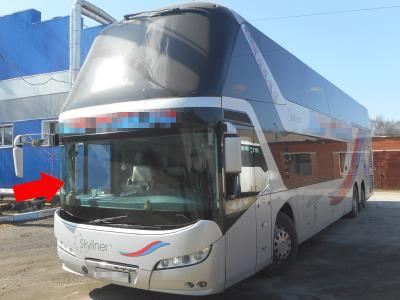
x: 355, y: 204
x: 363, y: 197
x: 284, y: 246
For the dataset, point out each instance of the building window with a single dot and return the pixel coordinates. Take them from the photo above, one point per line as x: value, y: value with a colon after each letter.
x: 6, y: 135
x: 49, y: 127
x: 300, y: 164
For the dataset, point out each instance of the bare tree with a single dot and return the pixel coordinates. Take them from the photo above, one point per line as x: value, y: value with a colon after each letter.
x: 382, y: 127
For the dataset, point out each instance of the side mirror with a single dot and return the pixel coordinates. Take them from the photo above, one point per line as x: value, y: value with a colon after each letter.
x: 18, y: 155
x: 233, y: 155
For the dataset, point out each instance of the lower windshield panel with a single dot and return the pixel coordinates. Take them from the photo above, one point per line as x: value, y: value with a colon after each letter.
x: 155, y: 180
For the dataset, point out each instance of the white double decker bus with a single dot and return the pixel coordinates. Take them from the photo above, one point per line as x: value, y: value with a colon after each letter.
x: 196, y: 152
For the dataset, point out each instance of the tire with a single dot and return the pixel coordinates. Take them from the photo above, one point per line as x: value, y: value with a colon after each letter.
x: 355, y: 204
x: 359, y: 204
x: 363, y: 200
x: 285, y: 254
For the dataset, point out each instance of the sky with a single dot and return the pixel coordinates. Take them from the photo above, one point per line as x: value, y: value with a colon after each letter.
x: 357, y: 51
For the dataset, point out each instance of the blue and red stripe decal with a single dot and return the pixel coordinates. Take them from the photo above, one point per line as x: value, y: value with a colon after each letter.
x: 153, y: 246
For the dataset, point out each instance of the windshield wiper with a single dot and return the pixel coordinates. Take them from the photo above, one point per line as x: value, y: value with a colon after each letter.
x: 106, y: 220
x: 178, y: 11
x: 159, y: 227
x: 183, y: 216
x: 71, y: 216
x: 165, y: 12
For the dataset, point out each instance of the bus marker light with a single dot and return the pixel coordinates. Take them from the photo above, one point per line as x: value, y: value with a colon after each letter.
x: 184, y: 260
x: 176, y: 260
x: 164, y: 263
x: 189, y: 284
x: 202, y: 284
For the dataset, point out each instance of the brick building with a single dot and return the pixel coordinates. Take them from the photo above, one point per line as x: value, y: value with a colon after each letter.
x: 386, y: 162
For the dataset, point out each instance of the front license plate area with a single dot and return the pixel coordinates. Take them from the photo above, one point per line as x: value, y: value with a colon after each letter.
x: 110, y: 275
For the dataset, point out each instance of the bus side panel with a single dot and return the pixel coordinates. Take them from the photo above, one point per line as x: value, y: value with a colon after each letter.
x: 316, y: 209
x: 241, y: 248
x: 278, y: 200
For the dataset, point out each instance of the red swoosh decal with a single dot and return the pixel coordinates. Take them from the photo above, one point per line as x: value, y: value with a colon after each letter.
x: 137, y: 253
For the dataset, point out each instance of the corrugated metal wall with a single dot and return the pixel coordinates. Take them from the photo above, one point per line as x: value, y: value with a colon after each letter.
x: 35, y: 107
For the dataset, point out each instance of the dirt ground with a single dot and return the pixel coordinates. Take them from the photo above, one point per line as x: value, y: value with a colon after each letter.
x: 351, y: 259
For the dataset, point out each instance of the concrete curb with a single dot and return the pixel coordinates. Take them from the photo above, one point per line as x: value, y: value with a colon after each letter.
x: 29, y: 216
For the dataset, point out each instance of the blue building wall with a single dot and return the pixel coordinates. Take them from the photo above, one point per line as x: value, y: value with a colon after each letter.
x: 29, y: 46
x: 36, y: 160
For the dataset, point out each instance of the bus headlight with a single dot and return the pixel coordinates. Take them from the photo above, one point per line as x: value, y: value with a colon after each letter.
x: 184, y: 260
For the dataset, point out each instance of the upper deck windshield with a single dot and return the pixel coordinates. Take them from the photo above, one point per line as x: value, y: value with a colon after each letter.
x: 178, y: 53
x: 157, y: 177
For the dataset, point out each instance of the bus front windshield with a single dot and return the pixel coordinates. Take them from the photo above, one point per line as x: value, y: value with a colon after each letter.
x: 167, y: 179
x: 174, y: 55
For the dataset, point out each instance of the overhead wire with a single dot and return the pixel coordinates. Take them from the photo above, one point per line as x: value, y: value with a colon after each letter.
x: 337, y: 12
x: 251, y: 20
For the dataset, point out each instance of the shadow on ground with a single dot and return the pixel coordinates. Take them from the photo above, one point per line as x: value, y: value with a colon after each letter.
x: 352, y: 258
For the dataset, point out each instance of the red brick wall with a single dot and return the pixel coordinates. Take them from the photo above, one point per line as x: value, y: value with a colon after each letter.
x: 387, y: 169
x: 386, y: 163
x: 386, y: 143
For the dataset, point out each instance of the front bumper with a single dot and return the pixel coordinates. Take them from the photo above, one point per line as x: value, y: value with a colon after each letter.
x: 112, y: 254
x: 184, y: 280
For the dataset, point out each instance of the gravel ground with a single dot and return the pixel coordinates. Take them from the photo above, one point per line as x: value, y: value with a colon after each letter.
x: 351, y: 259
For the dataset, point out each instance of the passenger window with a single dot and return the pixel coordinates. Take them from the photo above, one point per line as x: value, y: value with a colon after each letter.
x: 244, y: 79
x: 304, y: 160
x: 298, y: 82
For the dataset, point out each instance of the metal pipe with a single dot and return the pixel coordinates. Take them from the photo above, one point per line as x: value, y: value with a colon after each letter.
x: 75, y: 40
x: 78, y: 8
x: 98, y: 11
x: 93, y: 16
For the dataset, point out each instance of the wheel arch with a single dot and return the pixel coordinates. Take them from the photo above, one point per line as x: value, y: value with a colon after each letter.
x: 288, y: 210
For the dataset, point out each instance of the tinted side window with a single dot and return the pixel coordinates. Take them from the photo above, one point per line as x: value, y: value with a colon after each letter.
x: 313, y: 94
x: 244, y: 79
x: 304, y: 160
x: 343, y: 107
x: 298, y: 82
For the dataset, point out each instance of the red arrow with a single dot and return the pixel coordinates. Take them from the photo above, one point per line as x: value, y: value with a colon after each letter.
x: 47, y: 186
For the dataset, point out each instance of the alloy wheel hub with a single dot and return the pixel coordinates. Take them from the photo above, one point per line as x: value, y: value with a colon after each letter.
x: 282, y: 244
